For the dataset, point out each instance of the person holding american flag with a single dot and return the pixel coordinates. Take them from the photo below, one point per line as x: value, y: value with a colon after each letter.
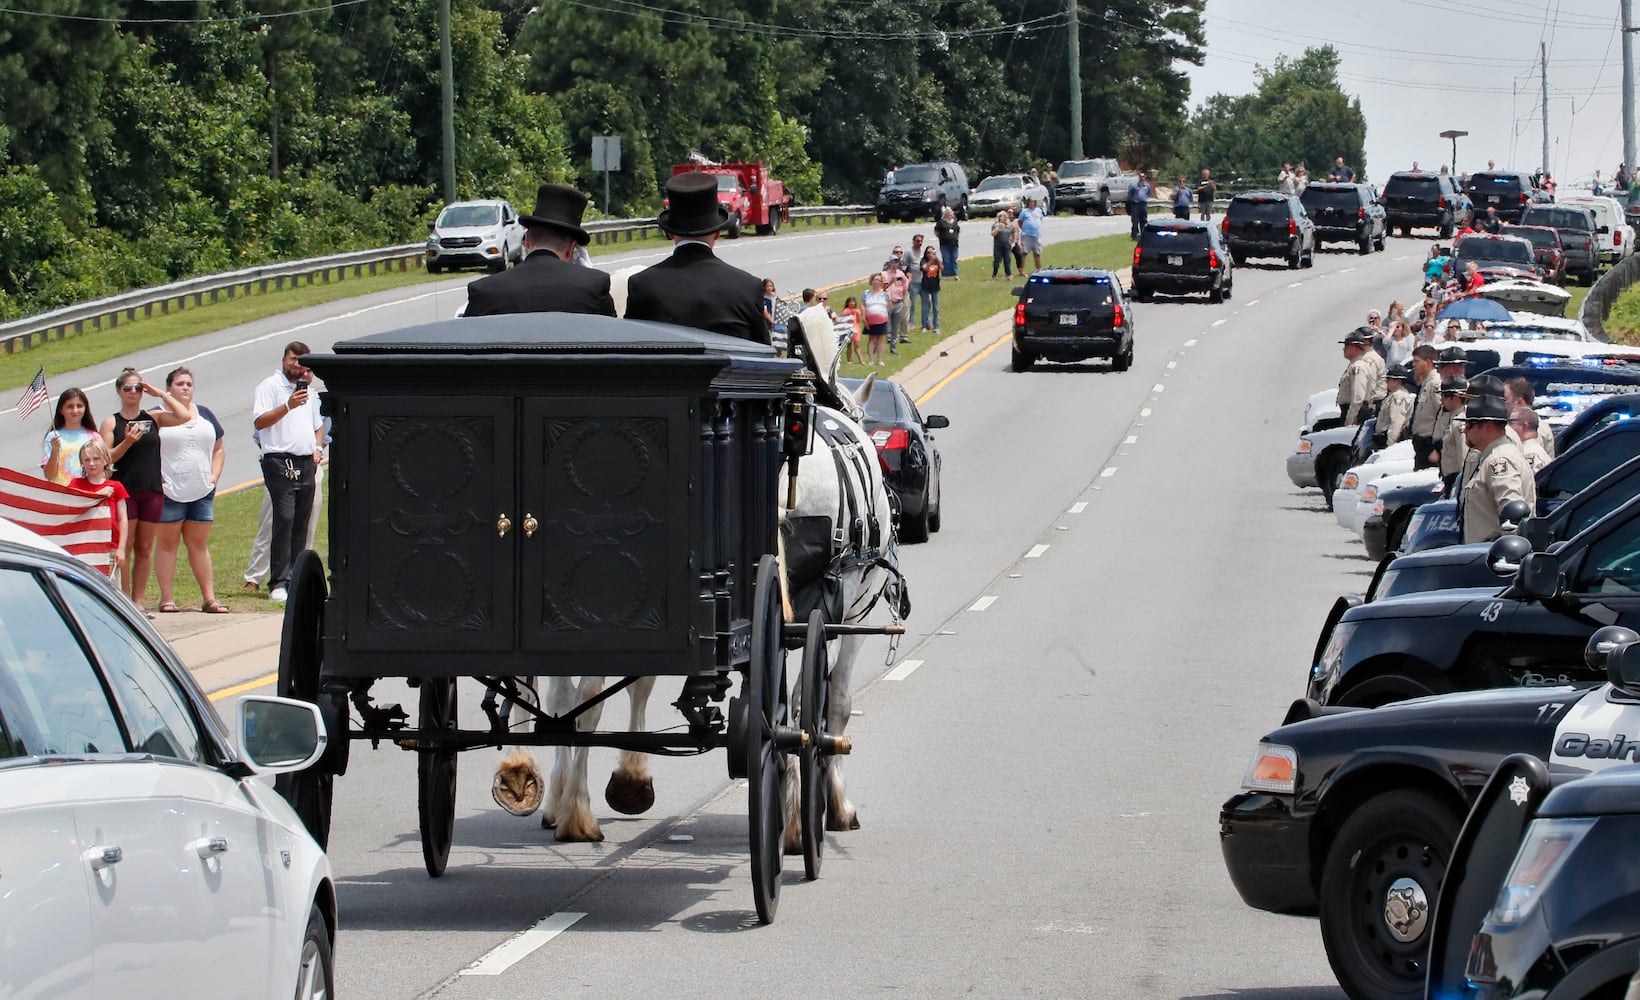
x: 72, y: 428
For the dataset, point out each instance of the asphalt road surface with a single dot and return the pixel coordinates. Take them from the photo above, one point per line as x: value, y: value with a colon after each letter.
x: 1123, y: 599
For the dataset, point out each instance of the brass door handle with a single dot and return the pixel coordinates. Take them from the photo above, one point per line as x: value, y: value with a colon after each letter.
x: 503, y: 524
x: 530, y: 524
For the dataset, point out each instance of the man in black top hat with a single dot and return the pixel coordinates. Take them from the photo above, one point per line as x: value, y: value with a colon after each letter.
x: 692, y: 287
x: 546, y: 280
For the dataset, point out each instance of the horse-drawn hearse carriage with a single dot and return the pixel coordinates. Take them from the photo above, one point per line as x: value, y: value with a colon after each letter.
x: 518, y: 502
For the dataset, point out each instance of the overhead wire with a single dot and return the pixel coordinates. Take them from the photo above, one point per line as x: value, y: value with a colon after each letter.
x: 55, y: 16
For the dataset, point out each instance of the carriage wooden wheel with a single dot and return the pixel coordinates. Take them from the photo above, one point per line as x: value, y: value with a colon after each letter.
x: 301, y: 657
x: 768, y: 714
x: 814, y: 762
x: 436, y: 775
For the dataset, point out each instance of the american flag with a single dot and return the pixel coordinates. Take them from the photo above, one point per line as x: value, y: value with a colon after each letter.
x: 81, y: 522
x: 33, y: 397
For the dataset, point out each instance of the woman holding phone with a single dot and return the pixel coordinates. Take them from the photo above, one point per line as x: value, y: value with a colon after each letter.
x: 132, y: 437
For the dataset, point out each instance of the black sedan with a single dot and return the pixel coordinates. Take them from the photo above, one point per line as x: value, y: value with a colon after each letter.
x: 1351, y: 814
x: 908, y: 455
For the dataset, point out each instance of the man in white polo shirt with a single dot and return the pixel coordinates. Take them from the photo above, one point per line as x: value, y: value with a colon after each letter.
x: 292, y: 435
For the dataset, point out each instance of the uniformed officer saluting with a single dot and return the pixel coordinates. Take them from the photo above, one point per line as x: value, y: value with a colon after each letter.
x: 1362, y: 384
x: 1500, y: 471
x: 692, y: 287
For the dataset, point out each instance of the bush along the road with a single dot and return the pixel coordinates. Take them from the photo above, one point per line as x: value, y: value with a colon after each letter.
x: 1623, y: 325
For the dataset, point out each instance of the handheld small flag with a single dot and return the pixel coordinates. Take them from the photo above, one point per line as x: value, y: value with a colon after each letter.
x: 33, y: 397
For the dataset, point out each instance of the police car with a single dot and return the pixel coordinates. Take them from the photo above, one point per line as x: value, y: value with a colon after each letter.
x: 1351, y: 815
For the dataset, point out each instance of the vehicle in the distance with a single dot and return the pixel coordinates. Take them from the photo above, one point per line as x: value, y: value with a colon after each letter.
x: 1175, y: 255
x: 1269, y: 224
x: 1072, y: 314
x: 1093, y: 184
x: 1424, y: 199
x: 1578, y: 238
x: 1508, y: 191
x: 475, y: 234
x: 1611, y: 225
x: 1546, y: 248
x: 747, y: 193
x: 924, y: 189
x: 141, y: 858
x: 908, y: 455
x: 1493, y: 253
x: 1345, y: 213
x: 1009, y: 191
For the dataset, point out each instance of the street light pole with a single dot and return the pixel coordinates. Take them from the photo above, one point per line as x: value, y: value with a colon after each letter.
x: 1454, y: 134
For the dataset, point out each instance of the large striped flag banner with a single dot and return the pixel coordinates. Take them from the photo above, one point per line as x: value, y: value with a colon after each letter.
x: 81, y: 522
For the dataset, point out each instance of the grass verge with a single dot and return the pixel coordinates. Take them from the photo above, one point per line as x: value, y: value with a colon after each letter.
x: 976, y: 296
x: 1623, y: 325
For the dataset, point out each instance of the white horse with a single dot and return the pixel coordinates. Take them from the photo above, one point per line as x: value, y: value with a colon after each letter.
x: 825, y: 487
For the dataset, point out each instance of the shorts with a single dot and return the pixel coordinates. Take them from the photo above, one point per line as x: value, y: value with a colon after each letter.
x: 145, y: 505
x: 202, y: 510
x: 876, y: 329
x: 1031, y: 244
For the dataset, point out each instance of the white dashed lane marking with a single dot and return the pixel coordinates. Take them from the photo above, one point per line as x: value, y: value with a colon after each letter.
x: 1254, y: 303
x: 1191, y: 342
x: 1158, y: 387
x: 902, y: 671
x: 1173, y: 364
x: 509, y: 953
x: 1036, y: 552
x: 1295, y: 284
x: 1145, y: 412
x: 1345, y: 270
x: 1132, y: 439
x: 1404, y: 257
x: 1079, y: 506
x: 1219, y: 322
x: 983, y: 603
x: 1107, y: 472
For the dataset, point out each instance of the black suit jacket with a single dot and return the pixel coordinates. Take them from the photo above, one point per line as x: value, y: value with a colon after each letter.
x: 542, y: 283
x: 693, y: 288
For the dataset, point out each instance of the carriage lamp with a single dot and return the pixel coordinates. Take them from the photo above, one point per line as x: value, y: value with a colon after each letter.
x: 797, y: 417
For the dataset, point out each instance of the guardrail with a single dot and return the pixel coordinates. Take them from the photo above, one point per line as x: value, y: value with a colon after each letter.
x: 1598, y: 304
x: 29, y: 331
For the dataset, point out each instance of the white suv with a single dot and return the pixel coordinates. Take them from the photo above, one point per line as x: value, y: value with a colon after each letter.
x: 475, y: 234
x: 141, y: 858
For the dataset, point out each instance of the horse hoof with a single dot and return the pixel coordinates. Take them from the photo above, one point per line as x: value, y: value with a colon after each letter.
x: 570, y: 834
x: 836, y: 824
x: 517, y: 789
x: 628, y: 795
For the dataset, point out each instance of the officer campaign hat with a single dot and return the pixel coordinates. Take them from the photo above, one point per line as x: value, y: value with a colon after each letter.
x: 1360, y: 335
x: 1486, y: 400
x: 1454, y: 385
x: 1401, y: 372
x: 1452, y: 356
x: 692, y: 207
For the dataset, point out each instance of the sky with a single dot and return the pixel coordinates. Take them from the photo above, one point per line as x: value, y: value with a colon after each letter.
x: 1421, y: 67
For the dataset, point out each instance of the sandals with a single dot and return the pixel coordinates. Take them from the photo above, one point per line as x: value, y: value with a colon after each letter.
x: 215, y: 608
x: 168, y: 608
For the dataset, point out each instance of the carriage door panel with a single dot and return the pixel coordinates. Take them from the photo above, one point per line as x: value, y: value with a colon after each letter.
x: 429, y: 567
x: 608, y: 481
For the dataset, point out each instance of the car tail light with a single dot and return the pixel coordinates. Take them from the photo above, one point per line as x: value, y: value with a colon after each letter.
x: 1213, y: 259
x: 1117, y: 318
x: 1523, y: 198
x: 1360, y: 214
x: 1440, y: 202
x: 1138, y: 255
x: 1292, y: 227
x: 1225, y: 225
x: 1617, y: 238
x: 1019, y: 314
x: 890, y: 439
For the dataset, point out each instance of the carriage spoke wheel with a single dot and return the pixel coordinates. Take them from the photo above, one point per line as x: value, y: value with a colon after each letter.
x: 301, y: 659
x: 436, y: 775
x: 767, y: 726
x: 814, y: 762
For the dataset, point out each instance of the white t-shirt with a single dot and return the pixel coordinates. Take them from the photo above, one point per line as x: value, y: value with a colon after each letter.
x: 185, y: 457
x: 292, y: 434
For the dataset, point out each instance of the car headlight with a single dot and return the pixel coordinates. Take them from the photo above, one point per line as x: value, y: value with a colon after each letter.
x: 930, y: 192
x: 1351, y: 481
x: 1304, y: 446
x: 1332, y: 657
x: 1378, y: 508
x: 1274, y: 769
x: 1369, y: 494
x: 491, y: 237
x: 1549, y: 842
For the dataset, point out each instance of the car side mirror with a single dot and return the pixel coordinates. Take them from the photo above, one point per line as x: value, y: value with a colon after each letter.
x: 430, y: 227
x: 1606, y: 649
x: 1537, y: 533
x: 936, y: 422
x: 279, y: 735
x: 1512, y: 514
x: 1623, y: 666
x: 1539, y: 576
x: 1016, y: 292
x: 1505, y: 555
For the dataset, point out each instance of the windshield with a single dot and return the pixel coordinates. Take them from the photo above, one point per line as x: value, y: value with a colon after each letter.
x: 1513, y: 251
x: 993, y: 183
x: 1426, y: 186
x: 1082, y: 168
x: 459, y: 216
x: 1539, y: 236
x: 1264, y: 211
x: 1558, y: 218
x: 916, y: 175
x: 727, y: 182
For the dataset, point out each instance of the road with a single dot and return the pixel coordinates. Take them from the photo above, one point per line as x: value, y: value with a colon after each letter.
x: 1122, y: 600
x: 228, y: 365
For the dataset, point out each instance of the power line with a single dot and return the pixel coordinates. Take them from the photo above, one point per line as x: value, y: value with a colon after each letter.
x: 635, y: 8
x: 179, y: 20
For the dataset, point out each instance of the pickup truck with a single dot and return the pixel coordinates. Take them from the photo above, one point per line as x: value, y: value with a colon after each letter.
x: 1097, y: 184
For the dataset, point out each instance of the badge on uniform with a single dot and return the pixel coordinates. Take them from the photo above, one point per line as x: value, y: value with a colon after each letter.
x: 1498, y: 466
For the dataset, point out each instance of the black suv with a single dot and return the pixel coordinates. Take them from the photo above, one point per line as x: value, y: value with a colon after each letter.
x: 1179, y: 256
x: 1492, y: 252
x: 1072, y: 314
x: 1577, y: 230
x: 1508, y: 191
x: 1422, y: 199
x: 1345, y: 213
x: 1269, y: 224
x: 924, y: 189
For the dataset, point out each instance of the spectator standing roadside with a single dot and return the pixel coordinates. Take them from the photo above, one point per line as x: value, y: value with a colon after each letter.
x: 771, y: 301
x: 947, y: 231
x: 1181, y: 199
x: 93, y: 459
x: 1002, y: 245
x: 931, y: 292
x: 1492, y: 223
x: 72, y: 428
x: 1598, y: 189
x: 850, y: 337
x: 897, y: 283
x: 1341, y: 172
x: 1621, y: 179
x: 292, y: 438
x: 912, y: 265
x: 1050, y: 180
x: 1206, y: 191
x: 191, y: 456
x: 1138, y: 205
x: 1398, y: 344
x: 1301, y: 180
x: 1472, y: 281
x: 1287, y: 180
x: 875, y: 301
x: 132, y: 438
x: 1030, y: 233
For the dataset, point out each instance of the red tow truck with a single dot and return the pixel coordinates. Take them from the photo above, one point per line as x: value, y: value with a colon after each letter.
x: 747, y: 192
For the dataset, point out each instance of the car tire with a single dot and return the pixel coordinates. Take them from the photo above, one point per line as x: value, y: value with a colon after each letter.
x: 316, y: 969
x: 1142, y: 294
x: 1309, y: 258
x: 1406, y: 230
x: 1328, y: 468
x: 1295, y: 261
x: 1239, y: 258
x: 1400, y: 840
x: 882, y: 217
x: 1103, y: 205
x: 1215, y: 294
x: 435, y: 268
x: 914, y: 528
x: 1023, y: 360
x: 500, y: 265
x: 934, y: 515
x: 1122, y: 362
x: 1364, y: 247
x: 732, y: 230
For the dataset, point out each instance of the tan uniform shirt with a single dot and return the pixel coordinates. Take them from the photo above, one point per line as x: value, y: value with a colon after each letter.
x: 1395, y: 415
x: 1536, y: 457
x: 1500, y: 475
x: 1375, y: 361
x: 1355, y: 389
x: 1427, y: 409
x: 1453, y: 447
x: 1546, y: 438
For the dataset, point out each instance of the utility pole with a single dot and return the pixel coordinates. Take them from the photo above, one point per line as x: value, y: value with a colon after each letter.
x: 1543, y: 65
x: 1628, y: 84
x: 447, y: 87
x: 1075, y: 44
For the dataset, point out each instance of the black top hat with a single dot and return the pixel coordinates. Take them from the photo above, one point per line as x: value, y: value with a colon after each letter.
x: 560, y: 207
x: 692, y: 206
x: 1453, y: 356
x: 1401, y: 372
x: 1454, y: 385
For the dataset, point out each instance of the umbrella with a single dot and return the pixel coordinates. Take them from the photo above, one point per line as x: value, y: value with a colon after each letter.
x: 1475, y: 308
